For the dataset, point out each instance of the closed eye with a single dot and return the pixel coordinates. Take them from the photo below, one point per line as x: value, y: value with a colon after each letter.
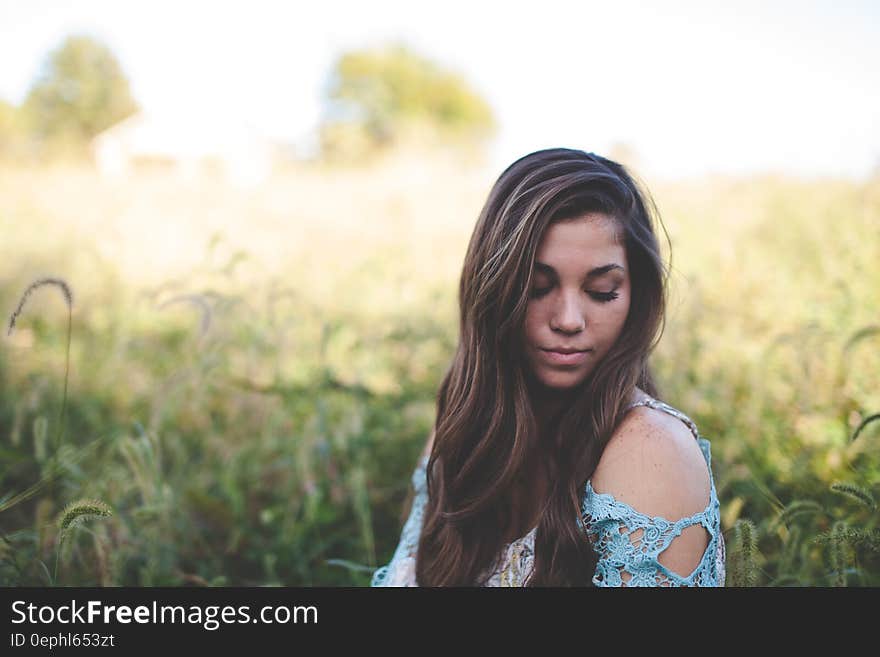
x: 605, y: 297
x: 601, y: 297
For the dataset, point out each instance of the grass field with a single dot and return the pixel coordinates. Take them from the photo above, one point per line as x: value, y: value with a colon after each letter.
x: 252, y: 371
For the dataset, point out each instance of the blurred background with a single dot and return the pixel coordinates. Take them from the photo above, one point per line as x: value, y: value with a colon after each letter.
x: 231, y: 236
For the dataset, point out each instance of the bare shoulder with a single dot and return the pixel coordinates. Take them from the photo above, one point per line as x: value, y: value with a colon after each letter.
x: 654, y: 464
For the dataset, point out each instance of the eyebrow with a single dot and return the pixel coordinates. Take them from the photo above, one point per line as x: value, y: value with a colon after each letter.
x: 596, y: 272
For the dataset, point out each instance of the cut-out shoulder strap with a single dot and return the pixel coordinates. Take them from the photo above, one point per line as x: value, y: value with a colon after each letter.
x: 663, y: 406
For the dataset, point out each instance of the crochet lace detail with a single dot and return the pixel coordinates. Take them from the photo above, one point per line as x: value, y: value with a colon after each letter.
x: 613, y: 523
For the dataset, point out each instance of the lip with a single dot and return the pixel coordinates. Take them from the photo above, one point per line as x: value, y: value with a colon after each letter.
x: 560, y: 358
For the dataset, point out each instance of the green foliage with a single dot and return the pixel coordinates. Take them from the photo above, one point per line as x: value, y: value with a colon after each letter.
x: 743, y: 571
x: 857, y: 493
x: 383, y: 97
x: 76, y: 512
x: 73, y: 516
x: 263, y: 434
x: 847, y: 550
x: 80, y: 92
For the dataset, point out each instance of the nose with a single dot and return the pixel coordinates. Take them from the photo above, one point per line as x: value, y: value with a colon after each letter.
x: 568, y: 317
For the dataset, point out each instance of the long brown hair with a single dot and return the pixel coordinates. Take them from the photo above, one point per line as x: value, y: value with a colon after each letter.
x: 486, y: 429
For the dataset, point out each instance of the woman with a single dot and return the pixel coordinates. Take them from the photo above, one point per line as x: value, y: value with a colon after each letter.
x: 552, y: 462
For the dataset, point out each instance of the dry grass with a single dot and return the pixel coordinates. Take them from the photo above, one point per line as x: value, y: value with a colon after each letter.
x: 252, y: 368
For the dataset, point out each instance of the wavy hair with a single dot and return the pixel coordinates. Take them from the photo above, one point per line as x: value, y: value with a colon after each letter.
x: 486, y: 430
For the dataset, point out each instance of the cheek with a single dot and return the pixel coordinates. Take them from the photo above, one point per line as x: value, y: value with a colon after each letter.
x: 608, y: 324
x: 618, y: 318
x: 532, y: 323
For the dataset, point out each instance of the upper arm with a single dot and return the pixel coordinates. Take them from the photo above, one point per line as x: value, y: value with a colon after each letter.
x: 653, y: 464
x: 400, y: 571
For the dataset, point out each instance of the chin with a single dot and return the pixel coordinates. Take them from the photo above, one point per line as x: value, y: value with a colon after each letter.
x: 562, y: 380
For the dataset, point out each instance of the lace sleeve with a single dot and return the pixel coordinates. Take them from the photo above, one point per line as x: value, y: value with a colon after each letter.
x: 629, y: 544
x: 401, y: 570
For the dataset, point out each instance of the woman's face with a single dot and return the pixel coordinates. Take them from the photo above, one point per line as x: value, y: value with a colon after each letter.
x: 579, y: 299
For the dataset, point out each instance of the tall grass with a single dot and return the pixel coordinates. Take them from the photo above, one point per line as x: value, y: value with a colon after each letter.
x: 252, y: 372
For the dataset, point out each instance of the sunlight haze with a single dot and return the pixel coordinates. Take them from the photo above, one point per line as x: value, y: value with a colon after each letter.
x: 692, y: 87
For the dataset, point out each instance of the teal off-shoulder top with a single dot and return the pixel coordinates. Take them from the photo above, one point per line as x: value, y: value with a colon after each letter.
x: 622, y: 559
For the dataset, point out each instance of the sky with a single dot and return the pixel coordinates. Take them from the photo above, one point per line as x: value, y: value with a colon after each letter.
x: 694, y: 88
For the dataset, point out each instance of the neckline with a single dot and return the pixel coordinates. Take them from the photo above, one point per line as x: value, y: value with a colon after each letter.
x: 644, y: 398
x: 522, y: 538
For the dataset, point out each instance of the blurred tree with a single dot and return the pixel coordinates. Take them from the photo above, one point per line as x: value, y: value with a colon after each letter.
x: 80, y: 91
x: 13, y: 141
x: 382, y: 98
x: 8, y: 118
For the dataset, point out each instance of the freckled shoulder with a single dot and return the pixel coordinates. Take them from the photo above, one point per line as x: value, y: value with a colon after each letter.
x: 653, y: 463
